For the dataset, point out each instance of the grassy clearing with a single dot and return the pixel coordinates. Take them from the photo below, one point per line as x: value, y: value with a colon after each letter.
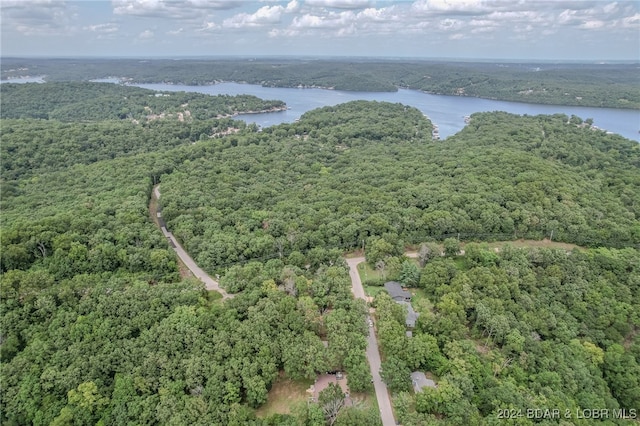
x: 461, y: 263
x: 372, y: 291
x: 365, y: 399
x: 284, y: 394
x: 367, y: 272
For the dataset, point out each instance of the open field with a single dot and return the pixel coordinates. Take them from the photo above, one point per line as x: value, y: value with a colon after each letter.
x: 284, y: 394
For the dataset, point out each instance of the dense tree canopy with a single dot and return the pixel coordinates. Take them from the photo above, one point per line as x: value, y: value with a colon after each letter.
x: 519, y: 329
x: 369, y: 172
x: 85, y: 101
x: 99, y: 327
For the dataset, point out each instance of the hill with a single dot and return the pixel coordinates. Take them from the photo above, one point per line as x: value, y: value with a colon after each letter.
x: 98, y: 328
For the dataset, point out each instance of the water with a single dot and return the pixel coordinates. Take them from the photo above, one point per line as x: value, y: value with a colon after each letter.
x: 447, y: 112
x: 36, y: 79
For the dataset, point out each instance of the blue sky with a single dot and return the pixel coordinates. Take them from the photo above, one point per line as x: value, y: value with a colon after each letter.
x: 481, y: 29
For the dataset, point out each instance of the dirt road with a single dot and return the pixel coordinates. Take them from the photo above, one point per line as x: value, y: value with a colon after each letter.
x: 209, y: 283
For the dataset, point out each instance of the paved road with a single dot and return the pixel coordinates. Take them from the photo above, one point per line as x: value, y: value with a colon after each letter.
x: 209, y: 283
x: 373, y: 354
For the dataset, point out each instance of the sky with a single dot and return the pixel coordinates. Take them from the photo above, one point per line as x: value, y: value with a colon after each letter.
x: 456, y: 29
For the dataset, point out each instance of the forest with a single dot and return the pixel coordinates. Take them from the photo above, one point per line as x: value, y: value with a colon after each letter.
x: 86, y: 101
x: 516, y: 330
x: 596, y: 85
x: 101, y: 326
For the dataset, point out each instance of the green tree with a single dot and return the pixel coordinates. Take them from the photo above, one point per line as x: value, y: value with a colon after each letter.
x: 427, y: 252
x: 396, y: 374
x: 451, y: 247
x: 378, y: 249
x: 331, y: 400
x: 410, y: 274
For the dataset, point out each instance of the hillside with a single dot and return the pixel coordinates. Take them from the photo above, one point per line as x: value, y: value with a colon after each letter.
x: 98, y: 328
x: 85, y: 101
x: 361, y: 170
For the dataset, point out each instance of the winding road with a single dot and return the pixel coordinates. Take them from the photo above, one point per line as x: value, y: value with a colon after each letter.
x: 209, y: 283
x: 373, y: 354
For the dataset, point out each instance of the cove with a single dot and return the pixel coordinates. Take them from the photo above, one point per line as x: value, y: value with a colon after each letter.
x: 447, y: 112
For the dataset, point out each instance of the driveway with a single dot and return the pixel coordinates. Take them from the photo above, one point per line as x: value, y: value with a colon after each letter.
x: 373, y: 354
x: 209, y: 283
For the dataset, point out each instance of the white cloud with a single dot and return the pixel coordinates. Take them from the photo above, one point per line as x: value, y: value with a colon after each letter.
x: 169, y: 9
x: 377, y: 15
x: 292, y: 6
x: 39, y: 17
x: 483, y: 23
x: 208, y: 26
x: 449, y: 6
x: 330, y: 20
x: 176, y: 32
x: 339, y: 4
x: 592, y: 25
x: 102, y: 28
x: 450, y: 24
x: 266, y: 15
x: 145, y: 35
x: 631, y: 21
x: 568, y: 17
x: 610, y: 8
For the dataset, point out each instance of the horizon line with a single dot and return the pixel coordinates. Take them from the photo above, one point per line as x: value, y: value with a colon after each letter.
x: 328, y: 57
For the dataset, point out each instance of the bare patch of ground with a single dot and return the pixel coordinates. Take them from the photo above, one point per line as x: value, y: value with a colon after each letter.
x: 323, y: 381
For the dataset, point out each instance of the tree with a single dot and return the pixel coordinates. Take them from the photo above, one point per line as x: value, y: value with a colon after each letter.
x: 358, y: 416
x: 331, y: 400
x: 358, y: 372
x: 442, y: 400
x: 85, y: 404
x: 410, y: 274
x: 396, y: 374
x: 381, y: 267
x: 427, y: 252
x: 622, y: 372
x: 451, y: 247
x: 378, y: 249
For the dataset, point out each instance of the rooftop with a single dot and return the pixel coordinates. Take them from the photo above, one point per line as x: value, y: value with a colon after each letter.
x: 419, y: 381
x: 396, y: 292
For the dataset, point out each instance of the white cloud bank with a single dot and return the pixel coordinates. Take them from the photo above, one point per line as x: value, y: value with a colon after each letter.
x: 351, y: 25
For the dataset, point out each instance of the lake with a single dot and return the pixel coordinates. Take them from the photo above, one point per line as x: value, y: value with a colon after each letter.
x: 447, y: 112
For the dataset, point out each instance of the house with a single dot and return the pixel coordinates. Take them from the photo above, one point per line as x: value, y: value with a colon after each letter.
x: 396, y: 292
x: 419, y: 381
x: 402, y: 297
x: 412, y: 316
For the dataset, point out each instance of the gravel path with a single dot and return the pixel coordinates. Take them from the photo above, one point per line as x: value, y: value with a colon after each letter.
x: 209, y: 283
